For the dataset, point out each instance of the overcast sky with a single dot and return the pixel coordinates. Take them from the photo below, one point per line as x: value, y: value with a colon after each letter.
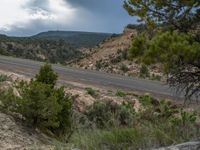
x: 28, y: 17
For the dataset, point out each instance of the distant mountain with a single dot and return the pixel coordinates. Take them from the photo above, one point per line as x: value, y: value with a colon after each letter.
x: 75, y: 38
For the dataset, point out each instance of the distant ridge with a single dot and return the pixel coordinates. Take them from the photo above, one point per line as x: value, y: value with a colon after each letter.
x: 51, y: 46
x: 78, y: 39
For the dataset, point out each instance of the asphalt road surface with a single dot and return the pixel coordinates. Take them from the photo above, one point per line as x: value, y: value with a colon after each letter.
x: 29, y: 68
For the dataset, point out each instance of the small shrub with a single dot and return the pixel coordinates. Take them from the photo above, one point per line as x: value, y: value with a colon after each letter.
x: 91, y: 92
x: 155, y: 77
x: 8, y: 100
x: 166, y: 109
x: 120, y: 93
x: 144, y: 71
x: 109, y: 114
x: 185, y: 118
x: 116, y: 60
x: 124, y: 68
x: 145, y: 100
x: 119, y: 51
x: 4, y: 78
x: 125, y: 54
x: 98, y: 64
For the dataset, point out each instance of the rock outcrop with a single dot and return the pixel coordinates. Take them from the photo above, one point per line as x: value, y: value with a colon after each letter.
x: 15, y: 136
x: 195, y: 145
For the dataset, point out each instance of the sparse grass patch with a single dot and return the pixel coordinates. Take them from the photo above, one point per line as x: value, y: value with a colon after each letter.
x: 124, y: 68
x: 91, y: 92
x: 155, y: 77
x: 120, y: 93
x: 144, y: 72
x: 98, y: 64
x: 4, y: 78
x: 144, y: 136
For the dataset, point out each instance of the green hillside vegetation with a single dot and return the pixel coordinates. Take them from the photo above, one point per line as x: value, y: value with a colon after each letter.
x: 172, y: 39
x: 52, y: 46
x: 75, y: 38
x: 103, y: 124
x: 55, y: 51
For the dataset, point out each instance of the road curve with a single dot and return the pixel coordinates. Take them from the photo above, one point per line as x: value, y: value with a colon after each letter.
x: 93, y: 77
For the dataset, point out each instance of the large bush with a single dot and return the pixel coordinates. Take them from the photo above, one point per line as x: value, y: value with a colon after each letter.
x: 46, y: 75
x: 41, y: 104
x: 109, y: 114
x: 179, y: 55
x: 156, y: 124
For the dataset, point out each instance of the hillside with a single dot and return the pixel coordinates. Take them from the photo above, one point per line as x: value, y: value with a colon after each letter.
x: 111, y: 56
x: 52, y: 46
x: 75, y: 38
x: 129, y: 115
x: 38, y: 49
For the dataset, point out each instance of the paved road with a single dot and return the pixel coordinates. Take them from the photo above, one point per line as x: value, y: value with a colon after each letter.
x: 28, y: 67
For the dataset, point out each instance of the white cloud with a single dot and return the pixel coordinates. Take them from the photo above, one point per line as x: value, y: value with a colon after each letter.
x: 18, y: 14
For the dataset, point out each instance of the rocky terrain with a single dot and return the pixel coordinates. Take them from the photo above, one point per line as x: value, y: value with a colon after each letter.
x: 111, y: 56
x: 15, y: 135
x: 195, y: 145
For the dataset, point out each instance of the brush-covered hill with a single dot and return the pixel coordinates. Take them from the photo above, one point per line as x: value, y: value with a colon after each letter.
x: 76, y: 38
x: 55, y: 51
x: 52, y: 46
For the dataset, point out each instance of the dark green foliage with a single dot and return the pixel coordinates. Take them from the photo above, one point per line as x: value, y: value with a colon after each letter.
x: 54, y: 47
x: 177, y: 52
x: 40, y: 103
x: 156, y: 124
x: 155, y: 110
x: 139, y: 45
x: 185, y: 118
x: 181, y: 15
x: 170, y: 47
x: 155, y: 77
x: 124, y: 54
x: 124, y: 68
x: 144, y: 71
x: 98, y: 64
x: 45, y: 107
x: 91, y: 92
x: 85, y: 39
x: 178, y: 49
x: 8, y: 101
x: 46, y: 75
x: 4, y: 78
x: 146, y: 100
x: 121, y: 55
x: 55, y: 51
x: 108, y: 114
x: 116, y: 59
x: 138, y: 27
x: 120, y: 93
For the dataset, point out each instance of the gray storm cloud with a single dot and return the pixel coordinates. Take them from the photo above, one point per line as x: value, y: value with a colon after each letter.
x: 41, y: 15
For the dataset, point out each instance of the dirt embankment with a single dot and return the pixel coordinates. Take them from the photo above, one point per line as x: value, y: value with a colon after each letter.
x: 111, y: 56
x: 14, y: 135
